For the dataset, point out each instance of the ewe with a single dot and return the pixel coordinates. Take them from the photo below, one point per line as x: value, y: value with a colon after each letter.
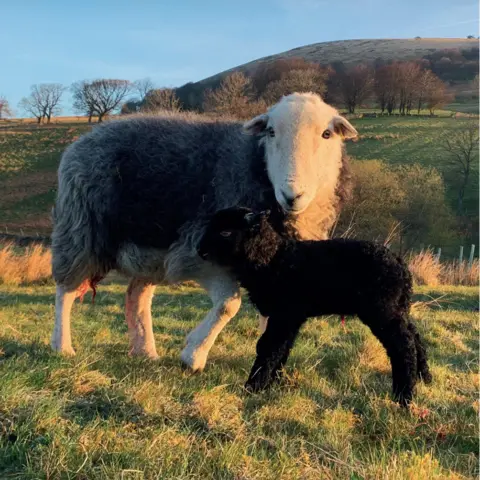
x: 290, y: 281
x: 134, y: 195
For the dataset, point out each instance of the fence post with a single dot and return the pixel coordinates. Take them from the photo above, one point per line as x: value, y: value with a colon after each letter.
x: 439, y: 253
x: 460, y: 255
x: 472, y: 253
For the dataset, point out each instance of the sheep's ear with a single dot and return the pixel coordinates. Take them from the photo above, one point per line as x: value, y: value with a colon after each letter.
x: 343, y: 127
x: 257, y: 125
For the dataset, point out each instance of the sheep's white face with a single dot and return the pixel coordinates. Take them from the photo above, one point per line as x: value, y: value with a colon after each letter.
x: 303, y: 140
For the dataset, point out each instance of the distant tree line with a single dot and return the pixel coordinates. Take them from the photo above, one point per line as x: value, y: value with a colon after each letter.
x: 394, y: 86
x: 399, y: 86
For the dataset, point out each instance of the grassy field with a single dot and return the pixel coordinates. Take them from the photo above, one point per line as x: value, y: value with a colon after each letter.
x: 409, y: 140
x: 104, y: 415
x: 29, y: 158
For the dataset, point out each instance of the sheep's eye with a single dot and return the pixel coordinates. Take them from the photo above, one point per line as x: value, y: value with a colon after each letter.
x: 326, y: 134
x: 270, y: 132
x: 225, y: 233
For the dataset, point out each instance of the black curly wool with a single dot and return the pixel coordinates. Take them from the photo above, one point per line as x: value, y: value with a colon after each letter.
x: 290, y: 281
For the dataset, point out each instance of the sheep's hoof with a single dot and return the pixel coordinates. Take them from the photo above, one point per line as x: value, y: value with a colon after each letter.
x: 67, y: 351
x: 193, y: 360
x: 150, y: 354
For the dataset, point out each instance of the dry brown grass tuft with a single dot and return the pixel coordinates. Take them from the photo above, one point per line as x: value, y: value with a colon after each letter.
x: 461, y: 273
x: 30, y: 266
x: 426, y: 268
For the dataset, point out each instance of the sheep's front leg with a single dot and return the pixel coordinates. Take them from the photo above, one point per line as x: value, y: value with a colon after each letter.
x: 273, y: 350
x: 225, y: 295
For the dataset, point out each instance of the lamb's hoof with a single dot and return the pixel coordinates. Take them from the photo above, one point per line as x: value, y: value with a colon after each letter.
x: 256, y: 386
x: 404, y: 399
x: 193, y: 360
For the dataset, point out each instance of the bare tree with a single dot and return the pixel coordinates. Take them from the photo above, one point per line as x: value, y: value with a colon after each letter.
x: 437, y: 95
x: 143, y: 87
x: 462, y: 149
x: 161, y: 99
x: 386, y: 87
x: 424, y: 82
x: 83, y: 99
x: 267, y: 73
x: 407, y: 76
x: 43, y: 101
x: 303, y: 80
x: 33, y: 106
x: 231, y: 97
x: 108, y: 95
x: 99, y: 97
x: 5, y: 110
x: 354, y: 85
x: 51, y: 94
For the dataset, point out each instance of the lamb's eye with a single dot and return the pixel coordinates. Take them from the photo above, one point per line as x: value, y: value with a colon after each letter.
x: 270, y: 132
x: 225, y: 233
x: 326, y: 134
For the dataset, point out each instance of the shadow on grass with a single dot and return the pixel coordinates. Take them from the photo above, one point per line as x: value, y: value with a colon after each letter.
x: 36, y: 350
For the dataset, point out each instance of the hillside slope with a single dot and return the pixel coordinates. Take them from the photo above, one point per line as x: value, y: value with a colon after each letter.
x: 352, y: 52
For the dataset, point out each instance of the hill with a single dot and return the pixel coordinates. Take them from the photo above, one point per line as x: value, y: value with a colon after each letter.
x: 454, y: 60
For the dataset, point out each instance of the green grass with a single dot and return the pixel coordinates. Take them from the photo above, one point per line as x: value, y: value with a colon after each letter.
x: 408, y: 140
x: 107, y: 416
x: 29, y: 157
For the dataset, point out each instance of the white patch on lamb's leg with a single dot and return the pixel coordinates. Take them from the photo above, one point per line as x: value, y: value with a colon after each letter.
x: 262, y: 323
x: 138, y: 314
x: 62, y: 336
x: 225, y: 295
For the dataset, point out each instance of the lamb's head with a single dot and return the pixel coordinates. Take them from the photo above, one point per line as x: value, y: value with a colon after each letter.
x: 303, y: 139
x: 235, y: 233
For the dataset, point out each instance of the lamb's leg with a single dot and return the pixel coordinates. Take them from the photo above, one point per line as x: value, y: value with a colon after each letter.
x: 225, y: 295
x: 273, y: 350
x: 138, y: 314
x: 423, y: 371
x: 61, y: 336
x: 396, y: 337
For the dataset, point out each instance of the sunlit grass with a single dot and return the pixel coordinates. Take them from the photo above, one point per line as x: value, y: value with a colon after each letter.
x: 102, y: 414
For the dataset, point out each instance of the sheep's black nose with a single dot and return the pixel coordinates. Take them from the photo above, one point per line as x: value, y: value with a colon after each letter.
x: 289, y: 200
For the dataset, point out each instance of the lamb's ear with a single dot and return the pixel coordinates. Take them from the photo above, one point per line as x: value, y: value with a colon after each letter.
x: 343, y: 127
x: 257, y: 125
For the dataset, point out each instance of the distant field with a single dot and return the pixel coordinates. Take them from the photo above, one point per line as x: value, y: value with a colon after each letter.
x: 407, y: 140
x: 103, y: 415
x: 29, y: 156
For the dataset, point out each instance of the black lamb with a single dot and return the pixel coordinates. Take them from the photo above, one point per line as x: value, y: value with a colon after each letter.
x: 290, y: 280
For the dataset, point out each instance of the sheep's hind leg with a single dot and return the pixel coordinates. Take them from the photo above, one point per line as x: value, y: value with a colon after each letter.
x: 62, y: 336
x: 138, y: 314
x: 273, y: 350
x: 225, y: 295
x: 394, y: 334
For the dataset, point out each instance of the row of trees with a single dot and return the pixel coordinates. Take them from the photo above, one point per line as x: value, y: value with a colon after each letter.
x: 398, y: 86
x: 97, y: 98
x: 402, y: 86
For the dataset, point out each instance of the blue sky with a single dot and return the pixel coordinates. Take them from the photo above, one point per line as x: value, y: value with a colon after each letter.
x: 174, y: 42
